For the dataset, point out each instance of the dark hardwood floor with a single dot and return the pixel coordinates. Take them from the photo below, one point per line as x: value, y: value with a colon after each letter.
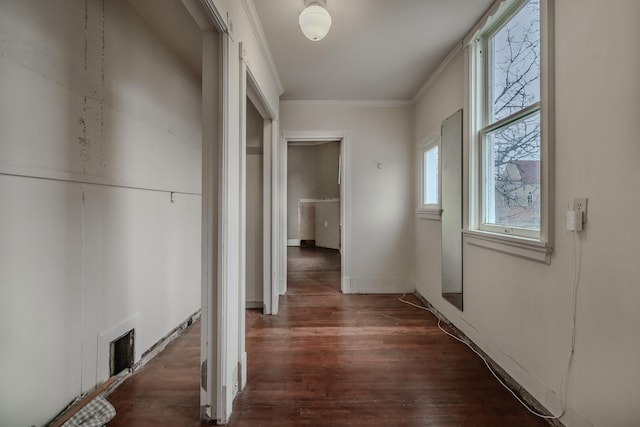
x: 329, y: 359
x: 166, y: 391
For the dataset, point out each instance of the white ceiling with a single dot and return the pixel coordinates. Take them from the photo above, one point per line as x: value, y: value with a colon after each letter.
x: 375, y: 50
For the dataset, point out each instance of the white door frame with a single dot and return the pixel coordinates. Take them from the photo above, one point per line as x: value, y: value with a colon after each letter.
x: 270, y: 138
x: 217, y: 203
x: 211, y: 20
x: 313, y: 136
x: 250, y: 89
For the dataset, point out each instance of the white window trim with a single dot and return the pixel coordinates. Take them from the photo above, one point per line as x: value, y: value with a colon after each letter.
x: 429, y: 211
x: 540, y: 248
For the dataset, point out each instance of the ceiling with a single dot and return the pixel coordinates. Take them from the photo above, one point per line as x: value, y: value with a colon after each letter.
x: 375, y: 50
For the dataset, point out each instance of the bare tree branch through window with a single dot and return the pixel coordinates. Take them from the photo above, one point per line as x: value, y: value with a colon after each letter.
x: 512, y: 151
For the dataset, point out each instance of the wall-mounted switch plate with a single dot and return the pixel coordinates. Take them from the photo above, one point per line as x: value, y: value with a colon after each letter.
x: 580, y: 204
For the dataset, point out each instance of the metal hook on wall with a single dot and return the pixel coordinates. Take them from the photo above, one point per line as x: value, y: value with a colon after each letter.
x: 172, y: 201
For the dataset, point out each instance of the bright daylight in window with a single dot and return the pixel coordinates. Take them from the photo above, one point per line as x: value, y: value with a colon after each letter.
x: 430, y: 194
x: 510, y: 134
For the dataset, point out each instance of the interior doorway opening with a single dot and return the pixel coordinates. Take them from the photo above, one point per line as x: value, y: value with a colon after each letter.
x: 315, y: 194
x: 313, y: 216
x: 255, y: 210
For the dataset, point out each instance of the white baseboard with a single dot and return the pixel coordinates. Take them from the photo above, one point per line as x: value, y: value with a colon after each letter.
x: 254, y: 304
x: 346, y: 285
x: 380, y: 286
x: 293, y: 242
x: 537, y: 395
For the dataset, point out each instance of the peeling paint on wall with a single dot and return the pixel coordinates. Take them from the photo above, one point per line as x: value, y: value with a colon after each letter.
x: 76, y: 107
x: 102, y: 163
x: 91, y: 140
x: 84, y: 151
x: 205, y: 414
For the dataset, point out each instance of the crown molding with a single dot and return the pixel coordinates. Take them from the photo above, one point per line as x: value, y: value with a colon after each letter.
x: 256, y: 26
x: 350, y: 103
x: 457, y: 50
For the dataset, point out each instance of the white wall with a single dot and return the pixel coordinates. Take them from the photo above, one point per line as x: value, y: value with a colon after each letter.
x: 518, y: 310
x: 99, y: 122
x: 382, y: 242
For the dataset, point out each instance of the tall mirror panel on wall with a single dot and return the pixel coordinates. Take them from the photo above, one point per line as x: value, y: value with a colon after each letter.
x: 451, y: 164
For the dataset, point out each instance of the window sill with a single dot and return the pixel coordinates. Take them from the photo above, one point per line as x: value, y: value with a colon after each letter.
x: 518, y: 246
x: 431, y: 214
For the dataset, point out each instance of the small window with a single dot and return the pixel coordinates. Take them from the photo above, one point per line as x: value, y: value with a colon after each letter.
x: 429, y: 198
x: 430, y: 195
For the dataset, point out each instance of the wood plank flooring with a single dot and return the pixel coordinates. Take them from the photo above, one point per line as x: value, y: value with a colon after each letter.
x: 166, y: 391
x: 329, y: 359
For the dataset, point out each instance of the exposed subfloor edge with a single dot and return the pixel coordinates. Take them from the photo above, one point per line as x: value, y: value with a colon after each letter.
x: 504, y: 376
x: 153, y: 351
x: 116, y: 380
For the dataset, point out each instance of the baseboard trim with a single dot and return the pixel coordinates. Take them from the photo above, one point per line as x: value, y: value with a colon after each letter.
x: 293, y: 242
x: 504, y: 376
x: 346, y: 285
x: 107, y: 387
x: 378, y: 285
x: 254, y: 304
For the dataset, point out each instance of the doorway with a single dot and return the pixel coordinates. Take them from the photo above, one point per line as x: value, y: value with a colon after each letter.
x: 254, y: 202
x: 314, y: 200
x: 313, y: 216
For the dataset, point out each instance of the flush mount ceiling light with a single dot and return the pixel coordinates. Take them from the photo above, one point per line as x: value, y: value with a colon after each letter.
x: 314, y: 20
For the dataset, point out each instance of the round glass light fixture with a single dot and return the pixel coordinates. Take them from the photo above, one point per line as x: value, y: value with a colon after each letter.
x: 314, y: 20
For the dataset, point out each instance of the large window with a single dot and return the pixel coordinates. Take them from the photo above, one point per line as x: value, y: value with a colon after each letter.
x: 511, y: 124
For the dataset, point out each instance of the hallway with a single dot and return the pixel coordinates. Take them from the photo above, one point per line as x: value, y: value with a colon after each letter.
x: 330, y: 359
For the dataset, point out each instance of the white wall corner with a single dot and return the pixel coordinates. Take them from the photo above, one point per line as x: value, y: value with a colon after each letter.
x: 455, y: 52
